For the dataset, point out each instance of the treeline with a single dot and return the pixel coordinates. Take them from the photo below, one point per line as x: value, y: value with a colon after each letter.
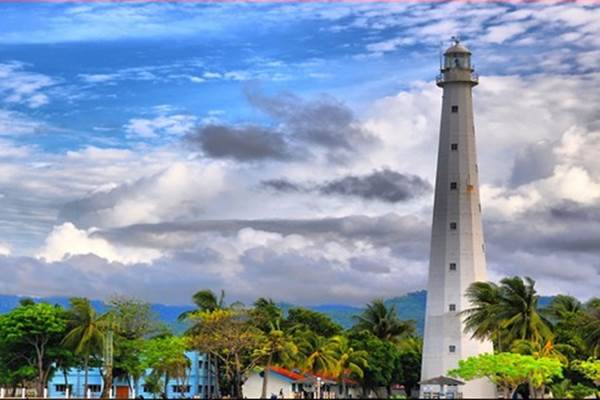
x: 536, y: 350
x: 39, y: 340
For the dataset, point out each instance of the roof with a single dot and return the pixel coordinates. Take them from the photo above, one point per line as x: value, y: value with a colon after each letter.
x: 441, y: 380
x: 287, y: 373
x: 306, y: 377
x: 457, y: 47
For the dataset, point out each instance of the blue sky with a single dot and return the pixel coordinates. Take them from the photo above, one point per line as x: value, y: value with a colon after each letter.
x: 125, y: 127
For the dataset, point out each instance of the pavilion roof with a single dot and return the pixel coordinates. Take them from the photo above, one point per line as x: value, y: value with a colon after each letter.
x: 442, y: 380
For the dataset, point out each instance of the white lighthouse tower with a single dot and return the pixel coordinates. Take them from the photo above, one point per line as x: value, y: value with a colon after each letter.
x: 457, y: 256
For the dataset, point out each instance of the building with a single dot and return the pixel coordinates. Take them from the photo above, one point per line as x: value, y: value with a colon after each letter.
x: 295, y: 384
x: 197, y: 385
x: 457, y: 256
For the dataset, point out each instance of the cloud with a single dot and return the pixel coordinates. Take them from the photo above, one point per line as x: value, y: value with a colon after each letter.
x: 4, y: 249
x: 66, y: 241
x: 321, y: 124
x: 384, y: 185
x: 176, y: 124
x: 246, y: 143
x: 14, y: 123
x: 177, y: 191
x: 23, y: 87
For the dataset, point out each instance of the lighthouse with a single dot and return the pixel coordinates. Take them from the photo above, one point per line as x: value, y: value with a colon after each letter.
x: 457, y: 255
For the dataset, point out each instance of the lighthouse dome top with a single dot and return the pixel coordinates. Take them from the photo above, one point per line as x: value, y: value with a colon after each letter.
x: 457, y: 48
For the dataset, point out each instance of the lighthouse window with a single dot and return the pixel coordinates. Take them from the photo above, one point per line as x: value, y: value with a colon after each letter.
x: 454, y: 109
x: 452, y: 307
x: 452, y: 266
x: 452, y: 226
x: 452, y: 348
x: 453, y: 185
x: 454, y: 146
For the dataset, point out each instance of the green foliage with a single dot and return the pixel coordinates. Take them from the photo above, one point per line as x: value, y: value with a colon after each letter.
x: 509, y: 370
x: 382, y: 359
x: 299, y: 318
x: 165, y: 356
x: 383, y: 321
x: 506, y: 312
x: 31, y: 332
x: 589, y: 368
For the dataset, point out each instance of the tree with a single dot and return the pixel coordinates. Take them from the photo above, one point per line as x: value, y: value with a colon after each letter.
x: 165, y: 356
x: 129, y: 321
x: 590, y: 368
x: 383, y: 321
x: 318, y: 352
x: 566, y: 314
x: 383, y: 360
x: 32, y: 331
x: 509, y: 370
x: 85, y: 336
x: 350, y: 361
x: 590, y: 326
x: 507, y: 312
x: 300, y: 318
x: 228, y: 335
x: 278, y: 349
x: 408, y: 371
x: 265, y: 314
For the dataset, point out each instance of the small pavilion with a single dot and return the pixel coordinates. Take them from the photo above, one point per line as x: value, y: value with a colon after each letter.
x: 441, y: 387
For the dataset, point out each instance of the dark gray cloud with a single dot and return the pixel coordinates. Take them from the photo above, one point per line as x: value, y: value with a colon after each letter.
x: 384, y: 185
x: 298, y: 128
x: 532, y: 163
x: 282, y: 185
x: 325, y: 122
x: 248, y: 143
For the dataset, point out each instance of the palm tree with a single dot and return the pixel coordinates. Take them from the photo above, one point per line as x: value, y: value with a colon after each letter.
x: 519, y: 310
x: 278, y: 349
x: 591, y: 326
x: 86, y: 336
x: 205, y: 300
x: 318, y: 352
x: 383, y: 322
x: 506, y: 312
x: 349, y: 361
x: 563, y: 308
x: 480, y: 320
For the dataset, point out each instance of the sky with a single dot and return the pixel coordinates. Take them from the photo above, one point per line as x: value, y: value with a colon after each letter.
x: 287, y: 150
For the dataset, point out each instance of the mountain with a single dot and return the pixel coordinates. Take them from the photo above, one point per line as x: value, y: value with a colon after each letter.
x: 410, y: 306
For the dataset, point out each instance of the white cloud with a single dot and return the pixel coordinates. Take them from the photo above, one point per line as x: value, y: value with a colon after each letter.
x: 20, y: 86
x: 177, y: 124
x: 66, y: 241
x: 4, y: 249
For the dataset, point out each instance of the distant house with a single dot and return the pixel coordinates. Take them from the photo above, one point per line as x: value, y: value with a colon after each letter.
x: 300, y: 385
x: 197, y: 385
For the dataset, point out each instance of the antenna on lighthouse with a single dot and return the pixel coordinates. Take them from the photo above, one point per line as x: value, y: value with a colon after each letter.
x: 441, y: 55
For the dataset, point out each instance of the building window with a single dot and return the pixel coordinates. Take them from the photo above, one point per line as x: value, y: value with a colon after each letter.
x: 454, y: 146
x: 63, y: 388
x: 95, y: 388
x: 454, y: 109
x: 452, y: 307
x: 200, y: 389
x: 181, y: 389
x: 483, y: 247
x: 452, y: 226
x: 452, y: 266
x: 452, y: 348
x: 453, y: 185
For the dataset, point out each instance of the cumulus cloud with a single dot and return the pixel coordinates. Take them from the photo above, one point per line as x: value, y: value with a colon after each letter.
x: 169, y: 194
x: 66, y: 241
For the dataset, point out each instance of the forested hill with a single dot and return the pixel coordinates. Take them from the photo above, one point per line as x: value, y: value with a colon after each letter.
x: 410, y: 306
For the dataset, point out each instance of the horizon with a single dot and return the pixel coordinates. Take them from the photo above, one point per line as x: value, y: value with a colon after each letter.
x: 156, y: 149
